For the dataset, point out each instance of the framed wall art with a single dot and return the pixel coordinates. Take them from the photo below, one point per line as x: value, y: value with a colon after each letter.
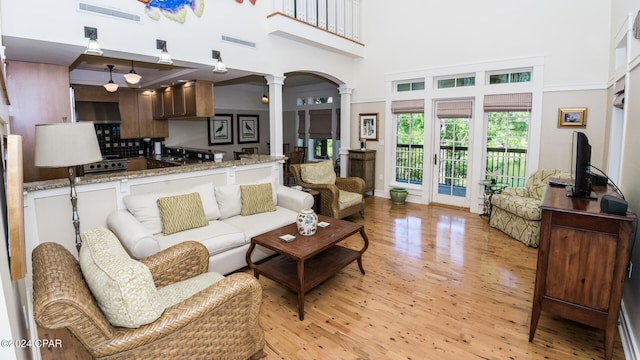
x: 369, y: 126
x: 569, y: 117
x: 221, y: 129
x: 248, y: 129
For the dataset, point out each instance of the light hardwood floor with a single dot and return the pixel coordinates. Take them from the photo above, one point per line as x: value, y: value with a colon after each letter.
x: 440, y: 283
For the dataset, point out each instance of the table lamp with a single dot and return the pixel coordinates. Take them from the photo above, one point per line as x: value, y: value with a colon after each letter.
x: 70, y: 145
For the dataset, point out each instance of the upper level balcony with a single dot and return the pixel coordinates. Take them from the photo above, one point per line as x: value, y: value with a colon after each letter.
x: 330, y: 24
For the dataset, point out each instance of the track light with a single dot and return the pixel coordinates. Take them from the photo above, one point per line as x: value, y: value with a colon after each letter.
x: 93, y: 48
x: 164, y: 58
x: 111, y: 86
x: 219, y: 67
x: 132, y: 78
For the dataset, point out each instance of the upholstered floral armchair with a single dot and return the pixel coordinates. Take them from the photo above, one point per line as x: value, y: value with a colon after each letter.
x: 339, y: 197
x: 204, y: 315
x: 516, y: 211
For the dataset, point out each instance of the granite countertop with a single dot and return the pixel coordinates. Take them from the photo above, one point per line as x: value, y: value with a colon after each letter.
x: 188, y: 165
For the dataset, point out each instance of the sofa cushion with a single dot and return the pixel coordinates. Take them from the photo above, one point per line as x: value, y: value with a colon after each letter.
x: 257, y: 224
x: 524, y: 207
x: 123, y: 287
x: 229, y: 200
x: 177, y: 292
x: 319, y: 173
x: 347, y: 199
x: 181, y: 212
x: 144, y: 207
x: 256, y: 199
x: 217, y: 237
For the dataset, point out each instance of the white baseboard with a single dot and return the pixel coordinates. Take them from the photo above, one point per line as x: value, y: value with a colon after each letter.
x: 628, y: 338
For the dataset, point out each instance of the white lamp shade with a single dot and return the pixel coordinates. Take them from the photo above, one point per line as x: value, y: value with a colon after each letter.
x: 165, y: 58
x: 132, y: 78
x: 93, y: 48
x: 66, y: 144
x: 219, y: 67
x: 111, y: 86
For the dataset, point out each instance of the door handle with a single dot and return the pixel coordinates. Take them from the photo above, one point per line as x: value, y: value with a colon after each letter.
x: 435, y: 159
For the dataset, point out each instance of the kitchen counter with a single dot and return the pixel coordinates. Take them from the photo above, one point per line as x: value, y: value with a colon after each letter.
x: 183, y: 165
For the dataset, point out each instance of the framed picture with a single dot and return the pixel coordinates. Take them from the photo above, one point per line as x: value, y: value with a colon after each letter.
x: 572, y: 117
x: 221, y: 129
x: 369, y: 126
x: 248, y: 130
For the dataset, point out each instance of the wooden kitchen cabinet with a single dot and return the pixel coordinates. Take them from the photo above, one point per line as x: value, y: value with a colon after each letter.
x: 157, y: 104
x: 128, y: 106
x: 362, y: 164
x: 582, y: 262
x: 191, y: 99
x: 136, y: 112
x: 194, y: 99
x: 38, y: 93
x: 135, y: 164
x: 167, y: 102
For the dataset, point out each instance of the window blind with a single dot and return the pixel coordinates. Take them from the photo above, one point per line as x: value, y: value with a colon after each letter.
x: 407, y: 106
x: 320, y: 124
x: 454, y: 110
x: 508, y: 102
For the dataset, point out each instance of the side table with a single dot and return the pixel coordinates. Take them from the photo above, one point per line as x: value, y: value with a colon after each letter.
x: 316, y: 198
x: 490, y: 188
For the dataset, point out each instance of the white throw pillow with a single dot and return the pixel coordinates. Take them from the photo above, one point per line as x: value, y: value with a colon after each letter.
x: 122, y: 286
x: 229, y: 200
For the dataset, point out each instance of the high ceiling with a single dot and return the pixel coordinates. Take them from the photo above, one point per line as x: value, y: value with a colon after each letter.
x: 92, y: 70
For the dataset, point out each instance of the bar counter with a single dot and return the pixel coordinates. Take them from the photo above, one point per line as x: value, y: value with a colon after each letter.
x: 189, y: 165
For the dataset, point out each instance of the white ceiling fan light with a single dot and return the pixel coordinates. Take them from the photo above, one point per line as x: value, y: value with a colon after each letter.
x: 132, y: 78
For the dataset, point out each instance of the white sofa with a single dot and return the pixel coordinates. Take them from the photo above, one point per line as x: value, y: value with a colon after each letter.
x: 228, y: 233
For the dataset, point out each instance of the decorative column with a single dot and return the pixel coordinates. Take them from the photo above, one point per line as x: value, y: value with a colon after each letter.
x: 275, y: 83
x: 345, y: 128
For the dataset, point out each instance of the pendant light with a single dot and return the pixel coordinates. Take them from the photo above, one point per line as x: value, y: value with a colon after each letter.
x: 111, y: 86
x: 132, y: 78
x: 265, y: 97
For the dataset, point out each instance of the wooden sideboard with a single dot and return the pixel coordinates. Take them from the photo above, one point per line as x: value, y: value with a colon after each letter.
x: 582, y: 262
x: 362, y: 163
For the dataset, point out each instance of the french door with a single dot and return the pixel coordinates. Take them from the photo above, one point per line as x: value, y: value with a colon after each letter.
x: 451, y: 153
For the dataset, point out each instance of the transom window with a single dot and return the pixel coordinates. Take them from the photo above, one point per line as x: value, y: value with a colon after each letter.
x: 410, y: 86
x: 302, y: 101
x: 510, y: 77
x: 456, y: 82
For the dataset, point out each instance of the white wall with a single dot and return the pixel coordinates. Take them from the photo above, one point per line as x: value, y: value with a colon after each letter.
x: 572, y: 35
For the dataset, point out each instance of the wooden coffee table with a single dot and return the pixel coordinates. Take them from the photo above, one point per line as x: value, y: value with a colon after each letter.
x: 307, y: 261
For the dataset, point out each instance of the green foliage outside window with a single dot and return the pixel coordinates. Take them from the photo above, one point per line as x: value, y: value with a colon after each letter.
x: 507, y: 142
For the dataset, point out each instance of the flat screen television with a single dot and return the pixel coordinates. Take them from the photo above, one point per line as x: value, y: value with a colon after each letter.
x: 580, y: 167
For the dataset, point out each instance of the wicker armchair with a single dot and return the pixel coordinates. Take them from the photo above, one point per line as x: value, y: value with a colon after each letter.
x: 516, y: 211
x: 329, y: 204
x: 218, y: 322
